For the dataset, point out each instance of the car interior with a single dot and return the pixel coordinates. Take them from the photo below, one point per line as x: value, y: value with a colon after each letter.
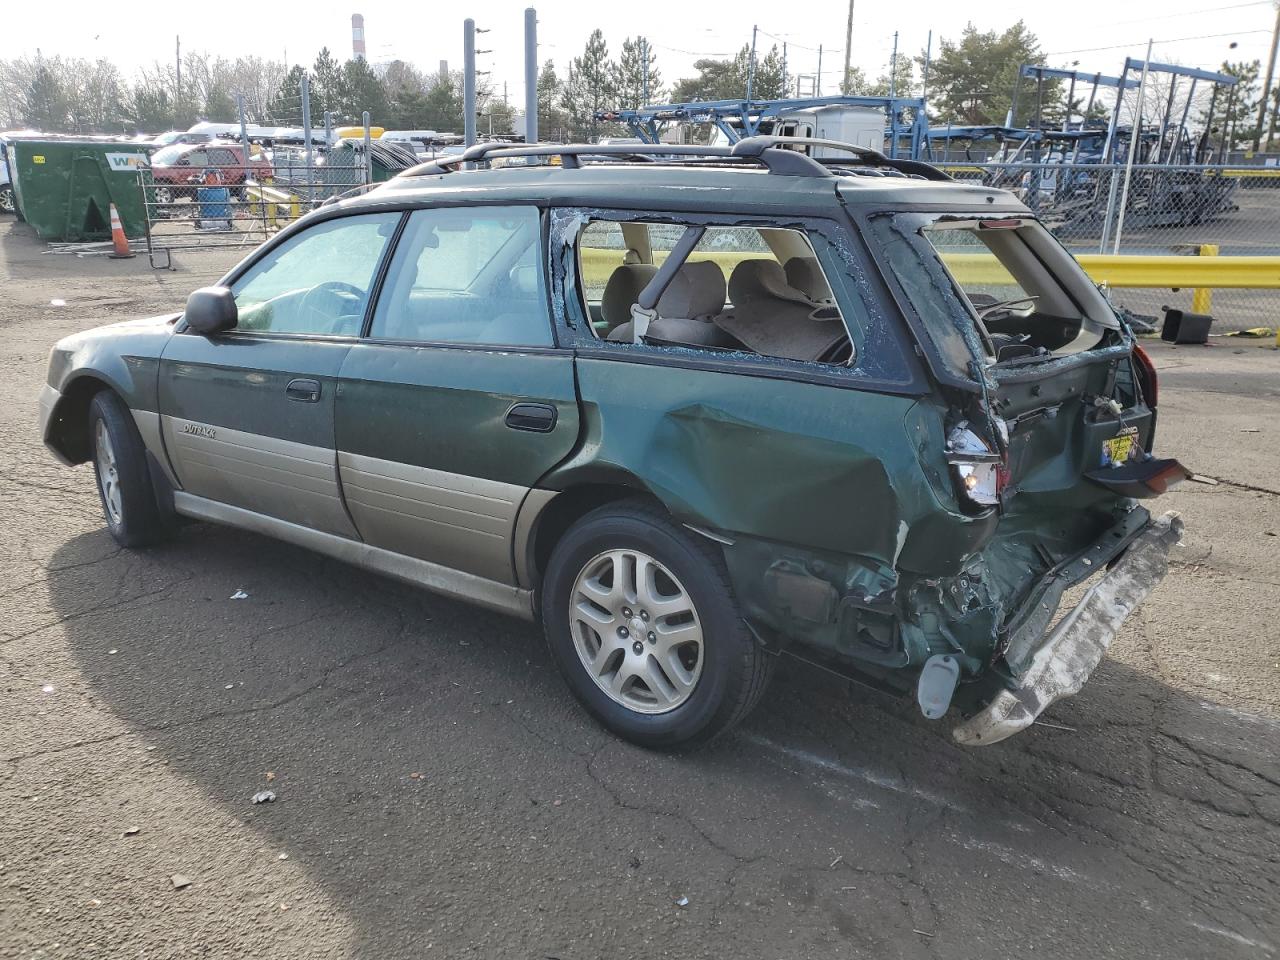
x: 1026, y: 303
x: 756, y: 290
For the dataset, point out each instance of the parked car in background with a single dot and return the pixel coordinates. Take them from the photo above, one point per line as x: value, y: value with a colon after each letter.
x: 690, y: 414
x: 8, y: 199
x: 176, y: 169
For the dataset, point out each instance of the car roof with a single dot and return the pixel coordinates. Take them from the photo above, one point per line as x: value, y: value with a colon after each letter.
x: 680, y: 187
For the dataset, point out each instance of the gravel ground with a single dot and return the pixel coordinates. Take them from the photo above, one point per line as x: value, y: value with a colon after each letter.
x: 438, y: 794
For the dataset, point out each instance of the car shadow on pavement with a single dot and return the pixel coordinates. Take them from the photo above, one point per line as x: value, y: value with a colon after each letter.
x: 435, y: 778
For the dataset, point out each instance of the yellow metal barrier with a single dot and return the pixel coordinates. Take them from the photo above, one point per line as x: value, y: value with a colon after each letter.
x: 1202, y: 298
x: 265, y: 203
x: 1125, y: 270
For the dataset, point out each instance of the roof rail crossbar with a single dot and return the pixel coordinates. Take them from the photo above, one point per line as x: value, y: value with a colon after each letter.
x: 774, y: 153
x: 776, y: 161
x: 751, y: 146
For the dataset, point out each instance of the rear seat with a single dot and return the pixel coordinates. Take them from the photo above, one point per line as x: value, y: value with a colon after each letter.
x: 686, y: 310
x: 774, y: 318
x: 805, y: 275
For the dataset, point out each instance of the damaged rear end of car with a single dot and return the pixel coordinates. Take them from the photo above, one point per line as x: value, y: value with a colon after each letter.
x: 1036, y: 445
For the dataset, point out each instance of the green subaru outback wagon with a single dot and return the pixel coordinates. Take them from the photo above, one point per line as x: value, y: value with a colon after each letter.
x: 691, y: 408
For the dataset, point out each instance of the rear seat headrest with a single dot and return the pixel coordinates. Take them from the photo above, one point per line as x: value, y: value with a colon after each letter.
x: 622, y: 290
x: 805, y: 275
x: 752, y: 279
x: 696, y: 292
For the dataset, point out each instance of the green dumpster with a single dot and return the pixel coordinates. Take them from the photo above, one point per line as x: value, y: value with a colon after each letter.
x: 65, y: 187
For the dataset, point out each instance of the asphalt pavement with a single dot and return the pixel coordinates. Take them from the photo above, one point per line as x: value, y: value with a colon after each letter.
x: 439, y: 794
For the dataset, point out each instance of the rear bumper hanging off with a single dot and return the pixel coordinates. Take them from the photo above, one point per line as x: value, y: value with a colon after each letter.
x: 1069, y: 653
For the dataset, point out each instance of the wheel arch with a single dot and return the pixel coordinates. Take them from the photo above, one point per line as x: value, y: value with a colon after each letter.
x: 67, y: 432
x: 570, y: 504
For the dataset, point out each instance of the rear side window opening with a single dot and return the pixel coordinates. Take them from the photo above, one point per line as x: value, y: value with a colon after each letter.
x: 746, y: 289
x: 1000, y: 289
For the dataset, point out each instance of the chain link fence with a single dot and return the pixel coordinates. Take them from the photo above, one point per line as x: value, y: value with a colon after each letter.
x: 1170, y: 210
x: 210, y: 203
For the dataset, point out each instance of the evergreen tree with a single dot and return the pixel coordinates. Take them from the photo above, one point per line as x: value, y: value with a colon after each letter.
x: 551, y: 120
x: 972, y: 81
x: 590, y: 88
x: 631, y: 80
x: 362, y: 90
x: 327, y: 88
x: 768, y: 82
x: 285, y: 107
x: 716, y: 79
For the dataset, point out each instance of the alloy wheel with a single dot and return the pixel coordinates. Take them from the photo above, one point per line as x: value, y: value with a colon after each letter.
x: 108, y: 475
x: 636, y: 631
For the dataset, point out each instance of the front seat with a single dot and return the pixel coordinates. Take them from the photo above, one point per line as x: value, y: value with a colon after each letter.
x: 621, y: 291
x: 775, y: 319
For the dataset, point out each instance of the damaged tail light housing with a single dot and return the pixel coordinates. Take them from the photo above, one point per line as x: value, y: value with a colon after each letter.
x: 1147, y: 379
x: 981, y: 474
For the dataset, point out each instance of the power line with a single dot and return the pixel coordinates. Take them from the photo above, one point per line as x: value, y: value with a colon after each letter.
x: 1194, y: 13
x: 1138, y: 43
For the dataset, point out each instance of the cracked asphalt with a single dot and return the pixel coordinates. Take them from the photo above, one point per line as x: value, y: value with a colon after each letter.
x: 438, y: 793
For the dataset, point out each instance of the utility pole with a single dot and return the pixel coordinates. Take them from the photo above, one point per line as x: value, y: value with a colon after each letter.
x: 784, y: 69
x: 848, y: 49
x: 644, y: 71
x: 751, y: 67
x: 1266, y: 86
x: 893, y: 67
x: 1133, y: 148
x: 469, y: 81
x: 928, y: 56
x: 530, y: 75
x: 177, y: 88
x: 818, y: 88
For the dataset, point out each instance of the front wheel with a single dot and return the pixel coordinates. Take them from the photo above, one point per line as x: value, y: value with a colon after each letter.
x: 120, y: 468
x: 8, y: 201
x: 642, y: 622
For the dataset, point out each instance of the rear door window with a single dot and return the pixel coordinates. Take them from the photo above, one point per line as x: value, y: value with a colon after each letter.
x: 746, y: 289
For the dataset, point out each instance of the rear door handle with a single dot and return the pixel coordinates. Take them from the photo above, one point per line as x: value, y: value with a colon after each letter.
x: 304, y: 391
x: 534, y: 417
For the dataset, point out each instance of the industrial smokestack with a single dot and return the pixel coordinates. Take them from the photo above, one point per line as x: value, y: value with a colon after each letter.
x: 357, y: 36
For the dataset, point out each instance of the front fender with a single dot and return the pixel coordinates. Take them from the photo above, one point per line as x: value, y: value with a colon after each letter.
x: 122, y: 357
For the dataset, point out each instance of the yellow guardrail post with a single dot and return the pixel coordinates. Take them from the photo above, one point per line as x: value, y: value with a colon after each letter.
x: 1202, y: 297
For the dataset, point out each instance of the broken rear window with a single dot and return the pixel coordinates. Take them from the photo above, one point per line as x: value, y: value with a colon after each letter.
x: 995, y: 289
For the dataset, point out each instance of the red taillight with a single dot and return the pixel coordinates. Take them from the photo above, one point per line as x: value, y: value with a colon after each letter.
x: 1147, y: 378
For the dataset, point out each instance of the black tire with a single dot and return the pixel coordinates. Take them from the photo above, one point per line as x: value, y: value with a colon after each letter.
x: 8, y: 199
x: 132, y: 514
x: 735, y: 669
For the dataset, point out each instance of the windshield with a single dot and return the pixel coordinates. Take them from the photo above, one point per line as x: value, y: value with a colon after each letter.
x: 994, y: 289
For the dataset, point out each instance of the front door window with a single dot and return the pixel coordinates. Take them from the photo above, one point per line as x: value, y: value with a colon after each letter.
x: 318, y: 281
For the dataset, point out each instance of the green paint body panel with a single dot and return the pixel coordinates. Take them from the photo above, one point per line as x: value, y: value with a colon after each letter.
x: 65, y: 188
x: 444, y: 408
x: 125, y: 356
x: 239, y: 382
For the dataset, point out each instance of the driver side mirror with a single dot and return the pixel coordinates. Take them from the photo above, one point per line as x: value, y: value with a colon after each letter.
x: 212, y: 310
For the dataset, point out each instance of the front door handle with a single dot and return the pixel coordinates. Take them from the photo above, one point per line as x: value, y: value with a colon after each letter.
x: 304, y: 391
x: 534, y: 417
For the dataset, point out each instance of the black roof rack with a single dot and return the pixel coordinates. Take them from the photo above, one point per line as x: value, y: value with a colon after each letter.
x: 777, y: 154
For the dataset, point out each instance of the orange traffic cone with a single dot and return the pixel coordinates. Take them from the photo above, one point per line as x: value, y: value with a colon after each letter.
x: 119, y: 242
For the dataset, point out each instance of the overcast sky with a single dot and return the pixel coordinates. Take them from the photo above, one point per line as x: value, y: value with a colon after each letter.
x: 1096, y: 33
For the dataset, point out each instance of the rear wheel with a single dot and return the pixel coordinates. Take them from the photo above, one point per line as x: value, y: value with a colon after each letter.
x: 8, y: 202
x: 120, y: 468
x: 641, y: 619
